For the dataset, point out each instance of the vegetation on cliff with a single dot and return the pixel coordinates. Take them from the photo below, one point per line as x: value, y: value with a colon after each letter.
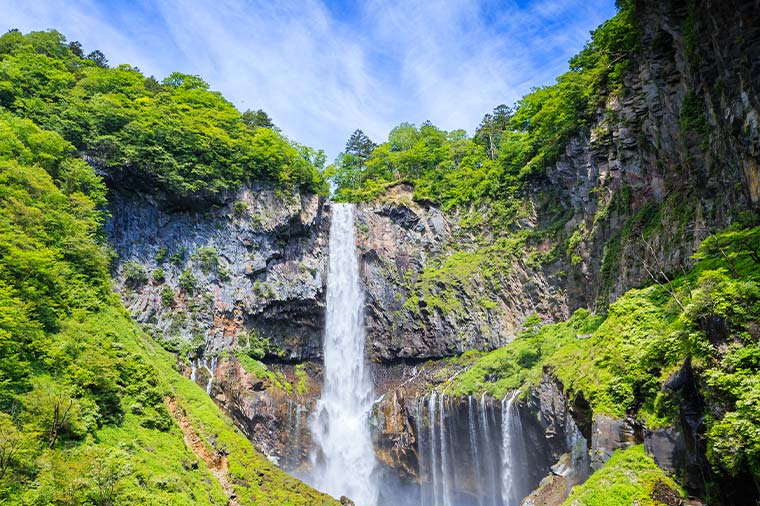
x: 629, y: 477
x: 494, y: 184
x: 622, y: 362
x: 91, y: 411
x: 175, y: 136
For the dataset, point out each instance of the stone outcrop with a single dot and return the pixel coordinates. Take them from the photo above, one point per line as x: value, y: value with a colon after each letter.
x: 255, y: 265
x: 272, y: 410
x: 678, y: 146
x: 399, y: 241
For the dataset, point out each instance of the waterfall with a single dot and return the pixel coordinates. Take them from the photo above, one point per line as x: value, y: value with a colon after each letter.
x: 511, y: 429
x: 344, y: 460
x: 474, y: 439
x: 580, y: 459
x: 471, y: 452
x: 210, y: 366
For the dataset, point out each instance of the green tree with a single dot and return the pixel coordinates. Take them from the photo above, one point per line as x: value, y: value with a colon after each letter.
x: 257, y: 119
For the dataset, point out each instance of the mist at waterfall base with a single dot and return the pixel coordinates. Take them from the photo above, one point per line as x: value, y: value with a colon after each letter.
x: 471, y: 451
x: 343, y: 460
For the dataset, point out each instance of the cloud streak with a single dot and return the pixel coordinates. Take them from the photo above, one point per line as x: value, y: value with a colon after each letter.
x: 323, y: 69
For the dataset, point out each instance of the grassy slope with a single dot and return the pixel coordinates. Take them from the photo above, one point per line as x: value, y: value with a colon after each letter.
x: 256, y: 480
x: 83, y: 391
x: 154, y: 464
x: 629, y: 477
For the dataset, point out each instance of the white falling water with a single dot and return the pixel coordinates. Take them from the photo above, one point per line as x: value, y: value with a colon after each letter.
x: 472, y: 452
x: 344, y: 460
x: 510, y: 427
x: 474, y: 443
x: 210, y: 366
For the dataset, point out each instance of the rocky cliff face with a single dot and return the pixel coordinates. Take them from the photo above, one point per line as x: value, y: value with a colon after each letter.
x: 667, y: 160
x: 252, y: 270
x: 671, y: 157
x: 401, y: 242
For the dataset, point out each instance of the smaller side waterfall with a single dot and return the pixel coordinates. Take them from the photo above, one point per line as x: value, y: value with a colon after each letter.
x: 580, y: 459
x: 475, y: 451
x: 513, y: 454
x: 470, y: 451
x: 209, y: 364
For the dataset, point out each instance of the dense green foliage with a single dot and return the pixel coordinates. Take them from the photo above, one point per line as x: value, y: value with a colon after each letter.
x: 619, y: 362
x: 629, y: 477
x: 510, y: 146
x: 176, y: 136
x: 83, y: 392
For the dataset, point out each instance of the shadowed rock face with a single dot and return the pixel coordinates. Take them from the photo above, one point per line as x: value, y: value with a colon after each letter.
x: 258, y: 265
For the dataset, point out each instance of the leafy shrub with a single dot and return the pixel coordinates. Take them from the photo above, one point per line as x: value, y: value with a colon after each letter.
x: 167, y: 296
x: 178, y: 257
x: 161, y: 255
x: 187, y: 280
x: 134, y: 273
x: 159, y: 276
x: 240, y: 208
x: 207, y: 259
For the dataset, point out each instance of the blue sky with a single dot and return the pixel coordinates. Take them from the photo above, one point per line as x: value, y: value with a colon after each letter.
x: 322, y: 69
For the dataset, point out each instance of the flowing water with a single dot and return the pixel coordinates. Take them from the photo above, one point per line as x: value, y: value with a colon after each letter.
x: 471, y: 453
x: 343, y: 459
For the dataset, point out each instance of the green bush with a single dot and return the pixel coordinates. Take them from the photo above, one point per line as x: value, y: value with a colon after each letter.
x: 167, y: 296
x: 187, y: 280
x: 240, y: 208
x: 629, y: 477
x: 159, y: 276
x: 177, y: 258
x: 207, y: 259
x: 134, y: 273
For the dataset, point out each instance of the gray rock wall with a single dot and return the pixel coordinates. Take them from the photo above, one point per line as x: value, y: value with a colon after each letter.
x: 259, y: 265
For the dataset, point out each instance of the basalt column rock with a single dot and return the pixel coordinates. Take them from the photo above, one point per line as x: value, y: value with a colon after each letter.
x: 251, y: 269
x: 401, y: 242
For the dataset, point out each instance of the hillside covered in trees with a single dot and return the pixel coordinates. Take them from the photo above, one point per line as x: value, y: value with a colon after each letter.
x: 91, y: 410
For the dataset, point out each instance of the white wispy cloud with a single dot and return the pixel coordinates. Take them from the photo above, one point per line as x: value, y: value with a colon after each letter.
x: 320, y: 74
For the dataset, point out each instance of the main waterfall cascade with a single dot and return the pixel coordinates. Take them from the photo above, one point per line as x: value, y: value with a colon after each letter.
x: 343, y: 458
